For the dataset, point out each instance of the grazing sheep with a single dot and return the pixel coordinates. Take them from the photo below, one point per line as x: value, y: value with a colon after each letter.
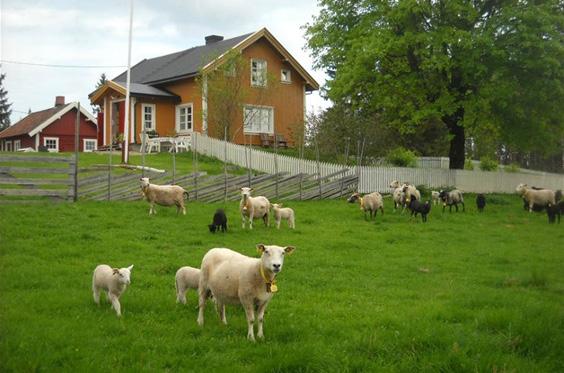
x: 233, y: 278
x: 219, y: 221
x: 253, y: 207
x: 435, y: 197
x: 411, y: 192
x: 399, y: 198
x: 418, y: 207
x: 164, y: 195
x: 540, y: 197
x: 283, y: 213
x: 369, y: 203
x: 114, y: 281
x: 480, y: 202
x: 186, y: 278
x: 454, y: 197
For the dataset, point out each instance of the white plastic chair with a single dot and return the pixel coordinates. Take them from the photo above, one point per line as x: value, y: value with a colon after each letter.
x: 182, y: 142
x: 151, y: 144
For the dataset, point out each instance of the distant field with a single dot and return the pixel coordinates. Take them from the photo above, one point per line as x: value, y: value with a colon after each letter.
x: 463, y: 292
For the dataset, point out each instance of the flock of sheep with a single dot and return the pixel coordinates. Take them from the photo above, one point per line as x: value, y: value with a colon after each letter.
x: 229, y: 277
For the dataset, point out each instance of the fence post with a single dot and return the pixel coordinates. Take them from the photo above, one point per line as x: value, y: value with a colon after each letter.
x: 195, y: 165
x: 173, y: 164
x: 76, y: 148
x: 318, y: 166
x: 275, y: 166
x: 225, y: 165
x: 110, y: 161
x: 344, y: 166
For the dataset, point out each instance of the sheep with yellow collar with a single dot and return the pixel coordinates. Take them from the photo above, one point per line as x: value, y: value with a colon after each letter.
x: 369, y: 203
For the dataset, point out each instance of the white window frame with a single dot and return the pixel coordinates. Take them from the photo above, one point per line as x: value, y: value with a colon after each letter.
x: 56, y: 142
x: 153, y: 117
x: 17, y: 145
x: 286, y: 78
x: 258, y: 76
x: 84, y: 141
x: 260, y: 128
x: 189, y: 121
x: 8, y: 146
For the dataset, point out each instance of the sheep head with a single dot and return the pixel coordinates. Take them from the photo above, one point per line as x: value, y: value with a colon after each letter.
x: 272, y: 256
x: 521, y: 188
x: 395, y: 184
x: 123, y: 274
x: 144, y: 182
x: 353, y: 198
x: 275, y: 206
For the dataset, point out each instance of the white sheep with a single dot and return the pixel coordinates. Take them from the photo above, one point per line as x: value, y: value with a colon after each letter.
x: 112, y: 280
x: 541, y: 197
x: 399, y: 198
x: 411, y: 192
x: 164, y: 195
x: 186, y: 278
x: 233, y: 278
x: 285, y: 213
x: 253, y: 207
x: 369, y: 203
x: 435, y: 197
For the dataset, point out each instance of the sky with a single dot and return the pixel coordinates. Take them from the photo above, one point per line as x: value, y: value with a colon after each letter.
x: 95, y: 33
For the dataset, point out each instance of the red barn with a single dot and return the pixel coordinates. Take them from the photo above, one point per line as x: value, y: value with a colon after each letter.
x: 53, y: 129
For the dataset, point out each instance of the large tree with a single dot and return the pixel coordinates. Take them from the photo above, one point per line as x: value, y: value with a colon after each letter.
x: 5, y: 110
x: 478, y: 67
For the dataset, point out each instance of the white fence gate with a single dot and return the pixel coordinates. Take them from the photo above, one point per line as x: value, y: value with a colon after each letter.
x: 376, y: 178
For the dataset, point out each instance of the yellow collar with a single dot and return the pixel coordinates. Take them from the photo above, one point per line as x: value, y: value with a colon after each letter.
x: 270, y: 285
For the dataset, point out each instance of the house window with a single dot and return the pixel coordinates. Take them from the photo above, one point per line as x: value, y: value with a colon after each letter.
x: 17, y: 145
x: 259, y: 119
x: 258, y: 73
x: 89, y: 145
x: 8, y: 146
x: 148, y: 112
x: 286, y: 76
x: 184, y: 118
x: 51, y: 143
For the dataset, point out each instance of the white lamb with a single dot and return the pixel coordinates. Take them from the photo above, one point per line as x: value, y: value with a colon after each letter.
x: 164, y: 195
x: 186, y: 278
x: 253, y: 207
x: 112, y: 280
x: 435, y: 197
x: 285, y: 213
x: 541, y: 197
x: 233, y: 278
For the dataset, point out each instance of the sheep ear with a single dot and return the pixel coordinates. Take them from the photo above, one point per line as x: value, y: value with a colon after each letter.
x: 289, y: 249
x: 115, y: 271
x: 130, y: 267
x: 260, y: 248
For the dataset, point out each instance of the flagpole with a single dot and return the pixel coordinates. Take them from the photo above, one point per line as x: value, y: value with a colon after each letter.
x: 127, y: 88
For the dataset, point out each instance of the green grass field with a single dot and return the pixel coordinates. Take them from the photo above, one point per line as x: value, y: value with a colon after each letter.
x: 463, y: 292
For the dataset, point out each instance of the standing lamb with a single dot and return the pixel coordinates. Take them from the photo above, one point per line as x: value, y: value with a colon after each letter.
x: 186, y: 278
x: 233, y: 278
x: 418, y: 207
x: 253, y: 207
x: 480, y: 202
x: 536, y: 197
x: 219, y: 221
x: 369, y: 203
x: 411, y: 192
x: 164, y: 195
x: 114, y: 281
x: 435, y: 197
x: 454, y: 197
x: 285, y: 213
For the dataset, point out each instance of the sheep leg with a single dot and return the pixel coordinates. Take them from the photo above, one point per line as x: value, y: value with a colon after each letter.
x: 250, y: 312
x: 292, y: 223
x: 243, y: 220
x: 181, y: 295
x: 115, y: 304
x: 202, y: 296
x: 278, y: 220
x: 267, y: 220
x: 463, y: 207
x: 96, y: 294
x: 260, y: 314
x: 221, y: 312
x: 456, y: 206
x: 382, y: 209
x: 251, y: 218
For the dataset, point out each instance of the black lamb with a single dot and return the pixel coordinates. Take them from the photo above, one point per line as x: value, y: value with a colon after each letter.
x: 480, y: 202
x: 219, y: 221
x: 418, y: 207
x: 554, y: 212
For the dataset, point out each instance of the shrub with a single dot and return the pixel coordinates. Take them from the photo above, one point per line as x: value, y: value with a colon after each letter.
x: 468, y: 165
x: 513, y: 167
x: 401, y: 157
x: 488, y: 164
x: 424, y: 189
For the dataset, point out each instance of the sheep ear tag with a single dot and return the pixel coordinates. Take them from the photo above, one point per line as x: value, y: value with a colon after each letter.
x: 271, y: 288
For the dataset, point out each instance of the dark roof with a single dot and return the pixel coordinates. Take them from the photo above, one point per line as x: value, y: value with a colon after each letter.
x: 145, y: 89
x: 33, y: 120
x: 180, y: 64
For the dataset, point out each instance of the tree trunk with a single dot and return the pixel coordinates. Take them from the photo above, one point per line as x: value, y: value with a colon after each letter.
x: 458, y: 139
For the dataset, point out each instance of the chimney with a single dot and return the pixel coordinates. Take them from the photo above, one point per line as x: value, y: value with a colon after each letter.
x: 59, y: 100
x: 213, y: 39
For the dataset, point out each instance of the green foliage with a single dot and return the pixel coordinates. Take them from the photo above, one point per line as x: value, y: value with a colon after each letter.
x: 488, y: 164
x: 469, y: 65
x: 5, y: 110
x: 401, y: 157
x: 441, y: 300
x: 513, y: 167
x: 468, y: 165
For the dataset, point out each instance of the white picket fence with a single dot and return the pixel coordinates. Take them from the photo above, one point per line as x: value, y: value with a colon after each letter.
x: 376, y: 178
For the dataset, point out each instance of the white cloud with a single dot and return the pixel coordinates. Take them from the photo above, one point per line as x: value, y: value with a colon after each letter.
x: 96, y: 33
